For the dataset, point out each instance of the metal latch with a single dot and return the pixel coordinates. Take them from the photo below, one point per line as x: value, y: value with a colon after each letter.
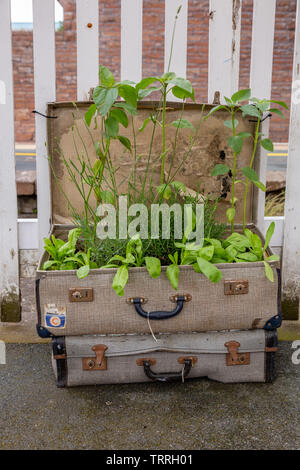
x: 96, y: 363
x: 234, y: 358
x: 81, y: 294
x: 236, y: 287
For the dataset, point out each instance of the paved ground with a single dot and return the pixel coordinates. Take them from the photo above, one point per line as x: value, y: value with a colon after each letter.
x: 196, y: 415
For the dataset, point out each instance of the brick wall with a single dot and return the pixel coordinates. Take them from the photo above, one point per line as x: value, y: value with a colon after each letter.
x: 153, y: 54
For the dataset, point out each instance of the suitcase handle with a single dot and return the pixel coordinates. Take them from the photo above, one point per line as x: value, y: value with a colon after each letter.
x: 168, y: 376
x: 159, y: 315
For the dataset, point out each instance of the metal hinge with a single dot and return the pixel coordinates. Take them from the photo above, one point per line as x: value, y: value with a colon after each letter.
x: 234, y: 358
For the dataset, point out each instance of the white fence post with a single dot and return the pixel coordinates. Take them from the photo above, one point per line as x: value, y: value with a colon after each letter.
x: 87, y: 19
x: 224, y: 47
x: 261, y: 81
x: 131, y: 39
x: 179, y: 56
x: 9, y: 264
x: 44, y: 90
x: 291, y: 246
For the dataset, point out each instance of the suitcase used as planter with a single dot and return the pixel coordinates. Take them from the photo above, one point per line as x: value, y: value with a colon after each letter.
x: 228, y: 357
x: 243, y: 299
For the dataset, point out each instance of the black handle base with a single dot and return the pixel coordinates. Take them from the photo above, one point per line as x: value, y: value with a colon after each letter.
x: 160, y: 315
x: 167, y: 377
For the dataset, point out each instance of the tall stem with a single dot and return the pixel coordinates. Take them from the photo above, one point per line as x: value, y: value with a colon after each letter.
x: 247, y: 180
x: 162, y: 177
x: 233, y: 169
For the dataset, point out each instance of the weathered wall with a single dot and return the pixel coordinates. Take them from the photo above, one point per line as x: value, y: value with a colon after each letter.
x: 153, y: 54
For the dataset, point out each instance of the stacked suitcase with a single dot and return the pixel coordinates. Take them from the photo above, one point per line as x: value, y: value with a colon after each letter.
x: 224, y: 331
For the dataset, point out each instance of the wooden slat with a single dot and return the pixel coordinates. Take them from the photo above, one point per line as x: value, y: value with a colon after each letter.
x: 44, y: 88
x: 179, y: 56
x: 261, y: 81
x: 87, y: 19
x: 224, y: 47
x: 291, y: 247
x: 9, y: 277
x: 131, y: 39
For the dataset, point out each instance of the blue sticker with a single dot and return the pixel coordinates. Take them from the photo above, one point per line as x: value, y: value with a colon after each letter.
x: 54, y: 317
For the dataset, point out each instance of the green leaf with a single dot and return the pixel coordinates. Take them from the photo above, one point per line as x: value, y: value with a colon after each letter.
x: 164, y: 190
x: 167, y: 76
x: 251, y: 257
x: 241, y: 95
x: 220, y: 169
x: 110, y: 97
x: 148, y: 119
x: 209, y: 270
x: 214, y: 109
x: 231, y: 253
x: 183, y: 84
x: 125, y: 141
x: 120, y: 280
x: 83, y: 271
x: 253, y: 177
x: 229, y: 123
x: 207, y: 252
x: 99, y: 95
x: 230, y: 214
x: 269, y: 271
x: 49, y: 264
x: 107, y: 197
x: 143, y: 93
x: 183, y: 123
x: 145, y: 82
x: 106, y: 77
x: 90, y: 113
x: 273, y: 258
x: 277, y: 111
x: 182, y: 94
x: 236, y: 143
x: 269, y: 235
x: 244, y: 135
x: 129, y: 94
x: 173, y: 275
x: 120, y: 116
x: 267, y: 144
x: 112, y: 126
x: 250, y: 110
x: 153, y: 266
x: 178, y: 186
x: 281, y: 103
x: 130, y: 109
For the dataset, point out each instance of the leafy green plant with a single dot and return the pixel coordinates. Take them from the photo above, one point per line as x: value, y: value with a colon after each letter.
x: 63, y: 255
x: 257, y: 108
x: 134, y: 257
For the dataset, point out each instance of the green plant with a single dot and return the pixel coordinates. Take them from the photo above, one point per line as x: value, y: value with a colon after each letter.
x: 63, y: 255
x: 256, y: 109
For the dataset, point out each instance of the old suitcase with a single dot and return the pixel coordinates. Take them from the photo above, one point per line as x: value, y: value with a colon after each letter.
x: 243, y: 299
x: 228, y: 357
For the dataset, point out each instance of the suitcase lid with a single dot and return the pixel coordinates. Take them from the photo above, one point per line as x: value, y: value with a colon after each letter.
x: 196, y: 343
x: 211, y: 147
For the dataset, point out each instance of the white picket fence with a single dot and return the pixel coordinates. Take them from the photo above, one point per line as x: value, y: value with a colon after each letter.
x: 224, y: 55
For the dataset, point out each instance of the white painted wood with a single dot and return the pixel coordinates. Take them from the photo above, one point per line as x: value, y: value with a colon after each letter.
x: 224, y: 47
x: 261, y: 80
x: 291, y: 247
x: 28, y: 234
x: 87, y: 19
x: 9, y: 269
x: 131, y: 39
x: 179, y: 55
x: 44, y: 88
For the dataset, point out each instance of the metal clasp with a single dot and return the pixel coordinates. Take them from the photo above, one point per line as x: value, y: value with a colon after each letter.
x: 234, y: 358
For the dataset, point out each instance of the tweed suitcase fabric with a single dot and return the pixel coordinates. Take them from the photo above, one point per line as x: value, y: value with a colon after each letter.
x: 209, y: 348
x: 209, y: 310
